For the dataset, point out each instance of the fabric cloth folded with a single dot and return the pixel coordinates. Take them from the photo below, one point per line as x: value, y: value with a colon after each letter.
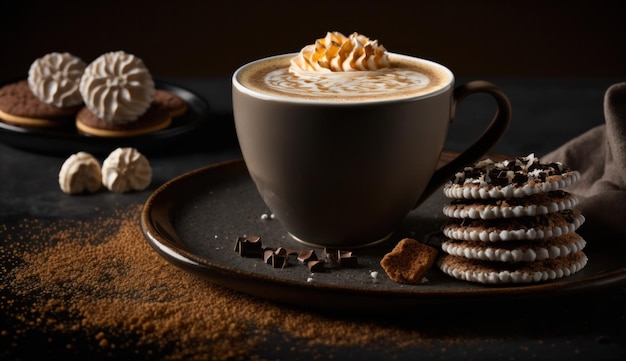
x: 600, y: 156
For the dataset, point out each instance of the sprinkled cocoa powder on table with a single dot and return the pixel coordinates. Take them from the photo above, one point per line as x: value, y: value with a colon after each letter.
x: 121, y: 295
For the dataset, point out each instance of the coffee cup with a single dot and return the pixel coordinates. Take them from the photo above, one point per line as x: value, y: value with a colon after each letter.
x: 341, y: 163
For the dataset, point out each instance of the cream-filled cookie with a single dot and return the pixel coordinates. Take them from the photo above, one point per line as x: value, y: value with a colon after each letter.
x: 503, y: 272
x: 521, y: 177
x: 512, y: 222
x: 514, y: 229
x: 516, y: 251
x: 538, y: 204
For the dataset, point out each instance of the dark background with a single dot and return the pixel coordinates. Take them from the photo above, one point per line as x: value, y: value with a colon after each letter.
x: 212, y: 38
x: 553, y: 59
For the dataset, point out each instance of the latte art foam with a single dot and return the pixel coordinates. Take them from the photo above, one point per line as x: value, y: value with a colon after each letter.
x: 405, y: 77
x: 347, y: 84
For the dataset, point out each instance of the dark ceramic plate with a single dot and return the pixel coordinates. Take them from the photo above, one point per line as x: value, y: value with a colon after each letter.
x: 193, y: 222
x: 66, y: 140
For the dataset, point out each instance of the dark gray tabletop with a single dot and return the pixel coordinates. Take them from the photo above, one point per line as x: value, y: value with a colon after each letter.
x: 546, y: 113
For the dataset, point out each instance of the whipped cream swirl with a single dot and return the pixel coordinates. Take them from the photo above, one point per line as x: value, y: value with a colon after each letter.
x: 117, y: 87
x: 336, y: 53
x: 54, y: 79
x: 126, y: 170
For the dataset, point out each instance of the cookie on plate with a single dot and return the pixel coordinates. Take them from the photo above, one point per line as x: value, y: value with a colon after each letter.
x: 171, y: 102
x: 515, y: 228
x: 20, y: 107
x: 512, y: 222
x: 118, y: 93
x: 516, y: 251
x: 538, y: 204
x: 49, y: 97
x: 152, y: 120
x: 520, y: 177
x: 508, y: 273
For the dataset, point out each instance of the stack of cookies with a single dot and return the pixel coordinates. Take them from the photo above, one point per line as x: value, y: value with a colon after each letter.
x: 512, y: 222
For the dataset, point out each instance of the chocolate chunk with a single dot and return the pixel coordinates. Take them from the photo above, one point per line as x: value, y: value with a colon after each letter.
x: 277, y: 258
x: 347, y: 259
x: 285, y: 252
x: 267, y: 255
x: 557, y: 167
x: 307, y: 255
x: 250, y: 247
x: 278, y: 261
x: 501, y: 179
x: 315, y: 266
x: 520, y: 178
x: 331, y: 254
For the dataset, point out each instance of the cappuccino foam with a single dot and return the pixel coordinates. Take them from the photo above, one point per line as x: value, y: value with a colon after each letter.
x: 406, y: 77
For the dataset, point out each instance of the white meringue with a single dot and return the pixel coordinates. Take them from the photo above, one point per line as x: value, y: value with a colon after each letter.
x: 117, y: 87
x: 55, y: 78
x: 80, y: 173
x: 126, y: 170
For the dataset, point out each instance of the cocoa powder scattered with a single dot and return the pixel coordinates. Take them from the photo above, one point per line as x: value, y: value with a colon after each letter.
x: 100, y: 281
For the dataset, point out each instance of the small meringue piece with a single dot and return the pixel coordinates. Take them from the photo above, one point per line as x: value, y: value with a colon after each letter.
x: 126, y: 170
x: 54, y: 79
x: 80, y: 173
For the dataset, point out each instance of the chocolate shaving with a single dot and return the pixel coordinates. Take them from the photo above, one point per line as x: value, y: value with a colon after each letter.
x: 517, y: 171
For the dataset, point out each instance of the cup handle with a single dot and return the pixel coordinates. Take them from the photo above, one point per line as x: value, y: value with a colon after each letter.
x: 483, y: 144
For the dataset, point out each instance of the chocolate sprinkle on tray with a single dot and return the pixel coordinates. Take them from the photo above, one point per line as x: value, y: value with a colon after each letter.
x: 346, y: 259
x: 316, y: 266
x: 307, y: 255
x: 251, y: 247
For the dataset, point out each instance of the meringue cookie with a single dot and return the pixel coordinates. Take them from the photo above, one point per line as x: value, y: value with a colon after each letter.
x: 126, y: 170
x: 55, y: 78
x: 80, y: 173
x: 117, y: 87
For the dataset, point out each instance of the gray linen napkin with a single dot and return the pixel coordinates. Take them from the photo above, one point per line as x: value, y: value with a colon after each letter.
x: 600, y: 156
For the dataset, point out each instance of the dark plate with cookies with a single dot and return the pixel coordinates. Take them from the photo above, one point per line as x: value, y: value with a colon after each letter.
x: 65, y: 137
x: 211, y: 222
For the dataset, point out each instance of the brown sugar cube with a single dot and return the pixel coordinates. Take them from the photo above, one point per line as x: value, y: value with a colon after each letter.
x: 408, y: 261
